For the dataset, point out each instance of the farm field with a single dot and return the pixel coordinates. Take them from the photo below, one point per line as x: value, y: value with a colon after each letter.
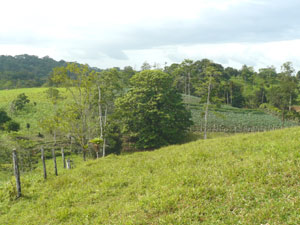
x: 231, y: 119
x: 242, y: 179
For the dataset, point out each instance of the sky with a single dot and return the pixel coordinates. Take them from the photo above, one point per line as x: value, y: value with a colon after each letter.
x: 116, y: 33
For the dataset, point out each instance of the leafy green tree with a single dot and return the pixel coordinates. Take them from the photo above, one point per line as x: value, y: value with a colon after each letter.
x: 77, y: 117
x: 19, y: 103
x: 283, y: 94
x: 6, y: 123
x: 3, y: 117
x: 152, y: 112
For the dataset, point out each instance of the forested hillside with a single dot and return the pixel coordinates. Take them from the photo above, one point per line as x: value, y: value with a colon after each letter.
x: 25, y: 70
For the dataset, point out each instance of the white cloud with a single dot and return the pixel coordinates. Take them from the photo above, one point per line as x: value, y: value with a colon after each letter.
x: 118, y: 33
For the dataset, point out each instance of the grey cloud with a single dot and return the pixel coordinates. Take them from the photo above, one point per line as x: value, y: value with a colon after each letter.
x: 251, y: 22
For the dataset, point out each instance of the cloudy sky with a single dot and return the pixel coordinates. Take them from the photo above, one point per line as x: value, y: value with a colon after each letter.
x: 105, y: 34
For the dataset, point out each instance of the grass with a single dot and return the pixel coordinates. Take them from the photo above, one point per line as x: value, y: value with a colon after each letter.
x: 38, y: 108
x: 241, y: 179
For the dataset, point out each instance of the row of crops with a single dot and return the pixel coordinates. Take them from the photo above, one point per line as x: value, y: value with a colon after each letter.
x: 229, y: 119
x: 237, y: 121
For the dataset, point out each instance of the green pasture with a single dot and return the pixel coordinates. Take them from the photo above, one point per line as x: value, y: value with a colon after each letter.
x: 242, y: 179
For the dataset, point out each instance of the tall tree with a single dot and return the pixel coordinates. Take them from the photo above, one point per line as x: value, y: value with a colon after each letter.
x: 152, y: 112
x: 79, y: 117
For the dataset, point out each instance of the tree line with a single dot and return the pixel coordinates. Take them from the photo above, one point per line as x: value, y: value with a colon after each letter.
x: 22, y: 71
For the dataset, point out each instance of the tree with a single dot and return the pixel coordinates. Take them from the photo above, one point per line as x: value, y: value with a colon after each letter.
x: 79, y: 118
x: 3, y: 117
x: 19, y: 103
x: 7, y: 124
x: 108, y: 88
x: 11, y: 126
x: 152, y: 112
x: 145, y: 66
x: 211, y: 73
x: 282, y: 95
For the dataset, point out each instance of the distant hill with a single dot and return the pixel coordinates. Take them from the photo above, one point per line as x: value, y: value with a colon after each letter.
x: 25, y: 70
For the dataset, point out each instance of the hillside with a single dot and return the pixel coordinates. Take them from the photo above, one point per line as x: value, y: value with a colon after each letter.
x: 242, y: 179
x: 25, y: 70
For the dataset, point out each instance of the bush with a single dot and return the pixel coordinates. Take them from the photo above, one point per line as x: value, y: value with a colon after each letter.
x: 11, y: 126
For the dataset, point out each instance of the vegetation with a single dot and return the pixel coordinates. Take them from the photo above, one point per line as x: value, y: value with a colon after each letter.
x: 152, y: 112
x: 243, y: 179
x: 25, y: 70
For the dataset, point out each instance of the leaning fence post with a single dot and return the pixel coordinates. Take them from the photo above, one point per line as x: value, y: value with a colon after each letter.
x: 63, y: 156
x: 54, y: 161
x: 44, y: 163
x: 17, y: 172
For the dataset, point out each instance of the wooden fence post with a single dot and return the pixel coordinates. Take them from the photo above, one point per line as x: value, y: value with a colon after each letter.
x: 17, y: 173
x: 54, y: 161
x: 44, y: 163
x: 68, y: 164
x: 63, y: 157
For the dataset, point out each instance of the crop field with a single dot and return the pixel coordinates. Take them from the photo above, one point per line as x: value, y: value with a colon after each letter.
x: 231, y: 119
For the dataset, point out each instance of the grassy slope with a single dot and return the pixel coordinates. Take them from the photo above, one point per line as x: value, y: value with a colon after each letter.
x: 32, y: 114
x: 242, y: 179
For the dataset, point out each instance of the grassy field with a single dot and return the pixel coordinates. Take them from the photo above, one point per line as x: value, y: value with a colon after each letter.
x: 38, y: 108
x: 242, y: 179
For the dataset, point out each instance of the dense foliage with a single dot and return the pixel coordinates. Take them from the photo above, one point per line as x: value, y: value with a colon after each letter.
x: 25, y: 70
x: 244, y: 88
x: 6, y: 123
x: 152, y: 111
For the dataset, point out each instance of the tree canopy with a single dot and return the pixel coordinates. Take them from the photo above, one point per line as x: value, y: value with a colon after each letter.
x: 152, y: 112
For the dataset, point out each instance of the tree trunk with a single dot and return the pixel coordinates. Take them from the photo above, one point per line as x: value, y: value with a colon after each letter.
x: 44, y: 163
x: 282, y: 119
x: 231, y: 94
x: 189, y: 84
x: 100, y: 112
x: 84, y: 154
x: 63, y: 157
x: 104, y: 140
x: 54, y: 161
x: 290, y: 102
x: 227, y: 98
x: 206, y: 108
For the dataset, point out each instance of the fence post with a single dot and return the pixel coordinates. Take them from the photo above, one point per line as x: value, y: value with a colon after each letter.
x: 17, y: 173
x: 54, y: 161
x: 44, y: 163
x: 68, y: 164
x: 63, y: 157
